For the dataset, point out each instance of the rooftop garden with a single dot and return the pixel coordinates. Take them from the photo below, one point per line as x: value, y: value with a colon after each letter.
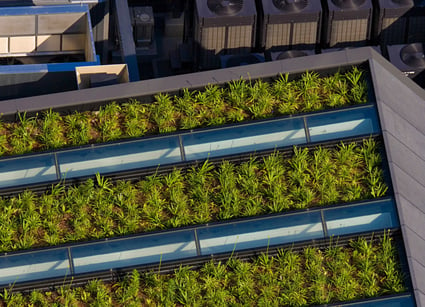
x: 237, y: 101
x: 201, y: 194
x: 363, y: 269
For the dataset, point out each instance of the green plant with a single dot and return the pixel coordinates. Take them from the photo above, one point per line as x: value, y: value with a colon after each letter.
x: 78, y: 128
x: 52, y: 132
x: 108, y: 119
x: 162, y: 113
x: 307, y: 277
x: 22, y: 138
x: 99, y: 208
x: 236, y: 101
x: 135, y: 118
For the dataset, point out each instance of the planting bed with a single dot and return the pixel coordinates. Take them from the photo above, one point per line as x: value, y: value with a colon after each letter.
x: 361, y: 270
x: 197, y: 195
x: 238, y: 101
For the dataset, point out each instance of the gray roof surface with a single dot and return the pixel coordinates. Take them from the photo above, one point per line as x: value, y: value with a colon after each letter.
x: 401, y: 105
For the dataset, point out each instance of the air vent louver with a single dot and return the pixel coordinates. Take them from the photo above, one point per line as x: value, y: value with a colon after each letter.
x: 289, y: 24
x: 223, y: 27
x: 142, y: 20
x: 416, y: 25
x: 348, y: 23
x: 391, y: 20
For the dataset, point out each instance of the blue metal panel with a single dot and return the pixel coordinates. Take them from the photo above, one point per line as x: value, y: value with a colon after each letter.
x: 40, y: 68
x: 35, y: 10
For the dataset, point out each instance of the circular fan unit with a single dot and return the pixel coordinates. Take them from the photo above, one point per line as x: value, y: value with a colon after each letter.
x: 348, y: 4
x: 413, y: 55
x: 241, y: 60
x: 291, y: 54
x: 291, y: 5
x: 225, y: 7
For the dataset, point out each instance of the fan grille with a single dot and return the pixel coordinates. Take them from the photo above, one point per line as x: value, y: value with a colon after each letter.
x: 290, y: 5
x: 291, y: 54
x: 413, y: 55
x: 225, y: 7
x: 348, y: 4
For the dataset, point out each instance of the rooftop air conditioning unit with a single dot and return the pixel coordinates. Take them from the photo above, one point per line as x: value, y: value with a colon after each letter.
x: 290, y: 24
x: 142, y: 20
x: 410, y: 59
x: 290, y: 54
x: 416, y: 32
x: 241, y: 60
x: 391, y: 21
x: 223, y: 27
x: 348, y: 22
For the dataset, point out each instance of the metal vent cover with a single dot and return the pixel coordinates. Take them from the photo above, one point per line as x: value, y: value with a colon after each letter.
x: 348, y: 23
x: 416, y: 25
x: 142, y: 20
x: 290, y: 23
x: 391, y: 21
x: 223, y: 32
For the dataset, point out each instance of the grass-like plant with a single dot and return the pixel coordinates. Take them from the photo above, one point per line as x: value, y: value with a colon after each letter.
x: 239, y: 100
x: 308, y: 277
x: 99, y: 208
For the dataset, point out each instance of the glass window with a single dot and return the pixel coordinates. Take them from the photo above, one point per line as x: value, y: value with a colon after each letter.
x: 341, y: 124
x: 260, y: 233
x: 134, y: 251
x: 361, y: 218
x: 119, y: 157
x: 33, y: 266
x: 244, y: 138
x: 27, y: 170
